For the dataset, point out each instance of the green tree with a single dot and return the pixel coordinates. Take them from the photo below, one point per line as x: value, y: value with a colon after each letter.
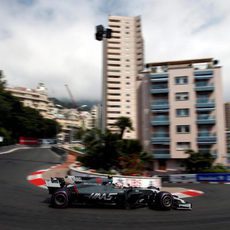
x: 123, y: 123
x: 17, y: 120
x: 132, y: 159
x: 198, y: 162
x: 101, y: 149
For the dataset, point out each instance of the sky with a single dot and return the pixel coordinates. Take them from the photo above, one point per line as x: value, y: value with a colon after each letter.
x: 52, y: 41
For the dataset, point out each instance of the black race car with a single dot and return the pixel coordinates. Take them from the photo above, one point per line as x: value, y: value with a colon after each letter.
x: 98, y: 191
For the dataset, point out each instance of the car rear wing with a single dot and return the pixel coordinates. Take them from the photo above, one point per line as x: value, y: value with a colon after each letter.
x: 55, y: 183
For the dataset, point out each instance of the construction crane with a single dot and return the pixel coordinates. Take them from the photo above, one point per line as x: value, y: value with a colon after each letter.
x: 71, y: 96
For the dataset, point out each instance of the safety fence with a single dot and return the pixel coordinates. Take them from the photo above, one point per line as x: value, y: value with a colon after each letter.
x: 200, y: 178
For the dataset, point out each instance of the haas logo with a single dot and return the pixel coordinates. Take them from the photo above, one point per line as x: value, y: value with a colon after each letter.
x: 102, y: 196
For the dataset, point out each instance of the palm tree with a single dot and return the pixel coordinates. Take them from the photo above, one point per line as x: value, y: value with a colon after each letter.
x: 123, y: 123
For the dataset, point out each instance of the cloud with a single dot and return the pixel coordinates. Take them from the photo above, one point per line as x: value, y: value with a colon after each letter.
x: 53, y: 41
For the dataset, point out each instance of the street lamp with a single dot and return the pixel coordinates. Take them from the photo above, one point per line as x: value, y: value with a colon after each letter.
x: 102, y: 34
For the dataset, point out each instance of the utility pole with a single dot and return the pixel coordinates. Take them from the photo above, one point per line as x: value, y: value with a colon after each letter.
x: 102, y: 34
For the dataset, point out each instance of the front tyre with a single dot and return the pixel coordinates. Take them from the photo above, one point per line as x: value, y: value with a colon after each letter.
x: 164, y: 200
x: 60, y: 199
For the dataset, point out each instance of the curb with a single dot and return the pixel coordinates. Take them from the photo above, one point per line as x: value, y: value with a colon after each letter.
x: 36, y: 178
x: 189, y: 193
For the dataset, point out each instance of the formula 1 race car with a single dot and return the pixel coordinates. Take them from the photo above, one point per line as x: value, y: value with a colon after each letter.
x: 98, y: 191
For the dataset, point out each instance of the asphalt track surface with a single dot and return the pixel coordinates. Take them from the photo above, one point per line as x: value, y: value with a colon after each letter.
x: 24, y: 206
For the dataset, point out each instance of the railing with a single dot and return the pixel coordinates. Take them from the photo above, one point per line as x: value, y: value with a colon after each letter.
x: 161, y: 153
x: 206, y: 137
x: 203, y: 102
x: 158, y: 75
x: 204, y: 86
x: 203, y: 73
x: 160, y: 120
x: 160, y: 138
x: 205, y: 119
x: 160, y: 104
x: 158, y: 86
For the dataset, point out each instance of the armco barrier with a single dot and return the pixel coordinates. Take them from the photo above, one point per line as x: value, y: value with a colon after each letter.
x: 183, y: 178
x: 213, y: 177
x: 58, y: 150
x: 134, y: 181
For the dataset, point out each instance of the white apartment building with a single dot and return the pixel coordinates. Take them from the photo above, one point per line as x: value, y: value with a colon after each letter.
x: 34, y: 98
x: 183, y: 109
x: 96, y: 116
x: 123, y: 60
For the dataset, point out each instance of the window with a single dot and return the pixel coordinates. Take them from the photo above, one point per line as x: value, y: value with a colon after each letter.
x: 183, y: 129
x: 183, y: 145
x: 114, y: 20
x: 114, y: 64
x: 182, y: 80
x: 113, y: 82
x: 182, y: 112
x: 114, y: 59
x: 114, y: 106
x: 114, y: 94
x: 114, y: 48
x: 114, y: 70
x: 183, y: 96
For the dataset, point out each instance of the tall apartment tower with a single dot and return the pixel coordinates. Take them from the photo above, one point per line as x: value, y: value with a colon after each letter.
x: 123, y: 60
x: 183, y: 109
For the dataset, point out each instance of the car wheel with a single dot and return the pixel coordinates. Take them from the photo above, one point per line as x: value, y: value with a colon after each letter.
x: 60, y: 199
x: 164, y: 200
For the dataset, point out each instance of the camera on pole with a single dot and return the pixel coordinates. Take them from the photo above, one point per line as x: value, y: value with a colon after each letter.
x: 101, y: 32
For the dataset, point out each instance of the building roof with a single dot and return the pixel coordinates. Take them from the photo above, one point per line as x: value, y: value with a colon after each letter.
x: 180, y: 62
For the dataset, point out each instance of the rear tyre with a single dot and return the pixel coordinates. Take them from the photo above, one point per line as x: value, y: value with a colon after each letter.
x: 60, y: 199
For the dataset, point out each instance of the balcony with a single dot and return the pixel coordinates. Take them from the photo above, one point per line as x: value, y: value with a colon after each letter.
x: 160, y: 105
x: 161, y: 153
x: 205, y: 103
x: 205, y: 119
x: 160, y: 138
x: 204, y: 86
x: 160, y: 120
x: 154, y: 76
x: 159, y: 88
x: 203, y: 74
x: 206, y: 138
